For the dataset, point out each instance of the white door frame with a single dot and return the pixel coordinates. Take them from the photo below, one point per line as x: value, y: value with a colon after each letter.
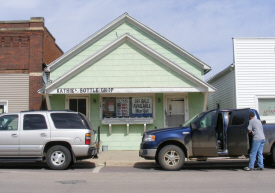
x: 6, y: 104
x: 176, y: 96
x: 87, y: 97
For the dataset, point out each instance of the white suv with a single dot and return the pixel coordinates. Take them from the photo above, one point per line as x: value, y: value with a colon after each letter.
x: 59, y: 137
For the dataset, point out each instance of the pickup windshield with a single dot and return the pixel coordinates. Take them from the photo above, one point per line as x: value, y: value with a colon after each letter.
x: 187, y: 123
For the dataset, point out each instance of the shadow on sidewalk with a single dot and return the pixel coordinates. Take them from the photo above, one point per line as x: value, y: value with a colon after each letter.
x: 213, y: 165
x: 43, y: 165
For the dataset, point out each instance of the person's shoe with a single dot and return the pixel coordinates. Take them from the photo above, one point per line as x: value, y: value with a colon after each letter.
x: 248, y: 169
x: 260, y: 169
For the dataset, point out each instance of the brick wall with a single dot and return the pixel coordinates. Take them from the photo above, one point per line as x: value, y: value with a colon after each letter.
x: 26, y: 45
x: 50, y: 50
x: 14, y: 51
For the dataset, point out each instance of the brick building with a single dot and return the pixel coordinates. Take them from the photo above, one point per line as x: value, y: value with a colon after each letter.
x: 25, y: 47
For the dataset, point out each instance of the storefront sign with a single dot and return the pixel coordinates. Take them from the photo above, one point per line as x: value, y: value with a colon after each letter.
x: 111, y: 106
x: 82, y: 90
x: 142, y: 106
x: 122, y: 106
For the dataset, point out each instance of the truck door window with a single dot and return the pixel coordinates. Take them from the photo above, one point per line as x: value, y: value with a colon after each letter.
x: 34, y: 122
x: 208, y: 120
x: 238, y: 118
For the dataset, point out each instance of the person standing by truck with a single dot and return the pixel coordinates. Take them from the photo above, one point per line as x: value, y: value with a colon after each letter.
x: 255, y: 127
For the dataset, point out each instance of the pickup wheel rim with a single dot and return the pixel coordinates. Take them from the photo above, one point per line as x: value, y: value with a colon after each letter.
x: 58, y: 158
x: 171, y: 158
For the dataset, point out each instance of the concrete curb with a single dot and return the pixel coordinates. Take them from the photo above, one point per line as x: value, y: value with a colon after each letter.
x: 126, y: 163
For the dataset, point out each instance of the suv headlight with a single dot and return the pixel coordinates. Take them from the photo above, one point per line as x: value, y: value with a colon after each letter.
x: 149, y: 138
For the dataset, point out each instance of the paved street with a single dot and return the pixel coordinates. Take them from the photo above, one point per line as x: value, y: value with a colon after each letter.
x: 84, y: 176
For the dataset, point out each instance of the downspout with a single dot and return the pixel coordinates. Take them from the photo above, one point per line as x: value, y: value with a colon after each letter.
x: 205, y: 100
x: 48, y: 102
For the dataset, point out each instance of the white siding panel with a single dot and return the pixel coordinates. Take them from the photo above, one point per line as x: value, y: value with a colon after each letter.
x: 14, y: 88
x: 224, y: 93
x: 254, y: 60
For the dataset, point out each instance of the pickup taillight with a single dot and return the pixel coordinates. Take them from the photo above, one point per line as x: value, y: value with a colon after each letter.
x: 88, y: 139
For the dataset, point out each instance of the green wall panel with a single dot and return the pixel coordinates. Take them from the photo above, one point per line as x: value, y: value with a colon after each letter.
x: 159, y: 111
x: 196, y: 101
x: 119, y: 140
x: 57, y: 102
x: 118, y: 69
x: 137, y: 33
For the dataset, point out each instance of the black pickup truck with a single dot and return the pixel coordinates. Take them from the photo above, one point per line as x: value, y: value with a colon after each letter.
x: 211, y: 133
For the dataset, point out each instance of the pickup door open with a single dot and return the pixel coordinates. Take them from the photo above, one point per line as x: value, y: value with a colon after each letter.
x: 204, y: 141
x: 237, y: 133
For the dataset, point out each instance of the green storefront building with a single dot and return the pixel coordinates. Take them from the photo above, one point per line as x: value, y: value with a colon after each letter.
x: 127, y: 78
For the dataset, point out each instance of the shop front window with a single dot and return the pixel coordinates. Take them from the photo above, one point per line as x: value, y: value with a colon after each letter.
x: 125, y: 109
x: 267, y: 107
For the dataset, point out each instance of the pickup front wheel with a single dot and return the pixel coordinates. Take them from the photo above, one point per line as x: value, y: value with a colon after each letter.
x: 171, y: 157
x: 58, y: 157
x: 273, y: 156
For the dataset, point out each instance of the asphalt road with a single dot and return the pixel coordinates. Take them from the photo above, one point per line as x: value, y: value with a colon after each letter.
x: 210, y: 176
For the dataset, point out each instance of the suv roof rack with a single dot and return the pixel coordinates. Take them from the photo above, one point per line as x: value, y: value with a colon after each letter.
x: 46, y: 110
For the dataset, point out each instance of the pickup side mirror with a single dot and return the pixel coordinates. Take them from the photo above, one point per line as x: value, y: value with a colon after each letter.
x: 193, y: 125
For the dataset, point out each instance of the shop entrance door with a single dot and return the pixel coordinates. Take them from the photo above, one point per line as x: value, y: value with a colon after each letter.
x: 79, y: 105
x: 175, y: 115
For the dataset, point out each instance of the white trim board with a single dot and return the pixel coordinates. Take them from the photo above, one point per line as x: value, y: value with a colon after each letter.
x: 49, y: 89
x: 103, y: 31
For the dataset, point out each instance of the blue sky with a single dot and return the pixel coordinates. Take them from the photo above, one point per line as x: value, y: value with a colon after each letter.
x: 204, y: 28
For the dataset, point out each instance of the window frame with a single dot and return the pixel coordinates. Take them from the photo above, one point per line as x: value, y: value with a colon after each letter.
x: 5, y: 103
x: 80, y: 115
x: 232, y: 115
x: 18, y: 117
x: 204, y: 117
x: 23, y: 121
x: 268, y: 119
x: 87, y: 97
x: 130, y: 120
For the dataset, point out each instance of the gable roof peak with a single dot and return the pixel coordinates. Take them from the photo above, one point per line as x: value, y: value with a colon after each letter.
x: 112, y: 45
x: 97, y: 35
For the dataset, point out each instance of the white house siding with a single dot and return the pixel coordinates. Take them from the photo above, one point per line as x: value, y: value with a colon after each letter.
x: 224, y: 95
x: 255, y: 69
x: 14, y: 88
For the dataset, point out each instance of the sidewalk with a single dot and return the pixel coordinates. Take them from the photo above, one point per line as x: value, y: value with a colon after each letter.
x: 121, y: 158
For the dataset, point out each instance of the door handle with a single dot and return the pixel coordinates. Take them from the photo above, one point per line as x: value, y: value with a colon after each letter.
x: 14, y: 135
x: 43, y: 135
x: 242, y: 131
x: 212, y: 132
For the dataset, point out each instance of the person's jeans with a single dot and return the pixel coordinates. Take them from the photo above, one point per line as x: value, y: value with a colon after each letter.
x: 256, y: 149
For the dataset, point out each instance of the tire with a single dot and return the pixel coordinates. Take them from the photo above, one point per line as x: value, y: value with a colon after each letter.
x: 171, y: 157
x: 273, y: 156
x: 58, y: 157
x: 157, y: 161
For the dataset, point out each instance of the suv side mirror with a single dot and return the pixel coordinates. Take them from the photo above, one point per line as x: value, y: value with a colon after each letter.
x: 193, y: 125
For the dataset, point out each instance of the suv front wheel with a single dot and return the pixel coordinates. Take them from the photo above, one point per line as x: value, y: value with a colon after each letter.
x: 58, y: 157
